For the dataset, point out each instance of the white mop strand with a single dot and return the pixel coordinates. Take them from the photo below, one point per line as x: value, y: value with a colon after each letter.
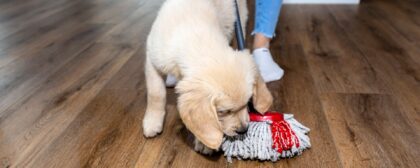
x: 257, y: 142
x: 301, y: 133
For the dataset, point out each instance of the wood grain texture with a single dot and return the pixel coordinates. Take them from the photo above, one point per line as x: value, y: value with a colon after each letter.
x: 337, y: 65
x: 386, y: 53
x: 72, y: 89
x: 369, y: 131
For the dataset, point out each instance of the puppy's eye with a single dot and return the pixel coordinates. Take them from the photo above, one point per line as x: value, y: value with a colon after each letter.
x: 224, y: 111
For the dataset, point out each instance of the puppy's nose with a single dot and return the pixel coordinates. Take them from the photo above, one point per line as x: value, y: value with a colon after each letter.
x: 242, y: 130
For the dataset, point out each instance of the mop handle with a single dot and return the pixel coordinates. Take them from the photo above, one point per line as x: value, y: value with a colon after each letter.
x: 241, y: 42
x: 238, y: 29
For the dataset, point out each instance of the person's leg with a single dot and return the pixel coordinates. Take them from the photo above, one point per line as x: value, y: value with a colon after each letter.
x: 266, y: 16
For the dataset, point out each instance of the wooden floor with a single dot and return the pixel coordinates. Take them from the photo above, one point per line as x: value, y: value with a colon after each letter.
x: 72, y: 90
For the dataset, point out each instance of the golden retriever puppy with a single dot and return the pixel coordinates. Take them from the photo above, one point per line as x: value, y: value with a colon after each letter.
x: 190, y: 39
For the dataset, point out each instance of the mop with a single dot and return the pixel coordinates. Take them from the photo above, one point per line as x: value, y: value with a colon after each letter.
x: 271, y: 136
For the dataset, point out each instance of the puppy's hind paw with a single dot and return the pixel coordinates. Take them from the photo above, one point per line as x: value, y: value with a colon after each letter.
x: 203, y: 149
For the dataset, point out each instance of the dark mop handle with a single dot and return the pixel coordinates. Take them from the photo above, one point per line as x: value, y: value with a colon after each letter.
x: 241, y: 43
x: 238, y: 29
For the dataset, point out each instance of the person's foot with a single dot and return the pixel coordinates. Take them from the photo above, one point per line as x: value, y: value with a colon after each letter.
x: 170, y: 81
x: 270, y: 70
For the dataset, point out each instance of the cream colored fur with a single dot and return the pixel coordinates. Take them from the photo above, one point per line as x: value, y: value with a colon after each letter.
x: 190, y: 39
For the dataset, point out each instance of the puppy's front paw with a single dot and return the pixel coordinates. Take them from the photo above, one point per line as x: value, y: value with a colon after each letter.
x: 151, y: 127
x: 203, y: 149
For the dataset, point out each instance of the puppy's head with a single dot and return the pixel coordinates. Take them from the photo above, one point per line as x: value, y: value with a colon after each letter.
x: 213, y: 100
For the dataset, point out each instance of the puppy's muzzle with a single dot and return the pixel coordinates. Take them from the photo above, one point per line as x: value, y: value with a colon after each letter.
x: 242, y: 130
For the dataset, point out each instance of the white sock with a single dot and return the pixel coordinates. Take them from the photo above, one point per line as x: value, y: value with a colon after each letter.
x: 170, y: 80
x: 270, y: 70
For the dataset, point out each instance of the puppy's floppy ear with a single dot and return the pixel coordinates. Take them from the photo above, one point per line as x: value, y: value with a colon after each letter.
x: 261, y: 98
x: 198, y: 113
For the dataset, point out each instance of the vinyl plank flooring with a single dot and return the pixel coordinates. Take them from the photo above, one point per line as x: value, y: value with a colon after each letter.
x: 56, y: 103
x: 407, y: 24
x: 409, y: 7
x: 22, y: 76
x: 135, y: 28
x: 114, y: 12
x: 13, y: 10
x: 33, y: 40
x: 369, y: 131
x: 337, y: 65
x: 35, y: 13
x: 162, y: 147
x: 124, y: 94
x: 400, y: 43
x: 397, y: 69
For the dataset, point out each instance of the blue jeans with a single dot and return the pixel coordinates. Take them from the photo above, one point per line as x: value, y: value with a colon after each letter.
x: 266, y: 16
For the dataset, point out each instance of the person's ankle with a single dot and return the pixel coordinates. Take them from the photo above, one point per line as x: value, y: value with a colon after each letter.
x: 269, y: 69
x: 260, y: 41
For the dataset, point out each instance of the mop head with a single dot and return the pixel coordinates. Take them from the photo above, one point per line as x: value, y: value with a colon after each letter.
x: 271, y: 136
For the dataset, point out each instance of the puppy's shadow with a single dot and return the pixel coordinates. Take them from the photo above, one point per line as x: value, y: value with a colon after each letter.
x: 188, y: 140
x: 186, y: 137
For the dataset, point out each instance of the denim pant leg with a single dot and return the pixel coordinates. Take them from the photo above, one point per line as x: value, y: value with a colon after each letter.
x: 266, y: 16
